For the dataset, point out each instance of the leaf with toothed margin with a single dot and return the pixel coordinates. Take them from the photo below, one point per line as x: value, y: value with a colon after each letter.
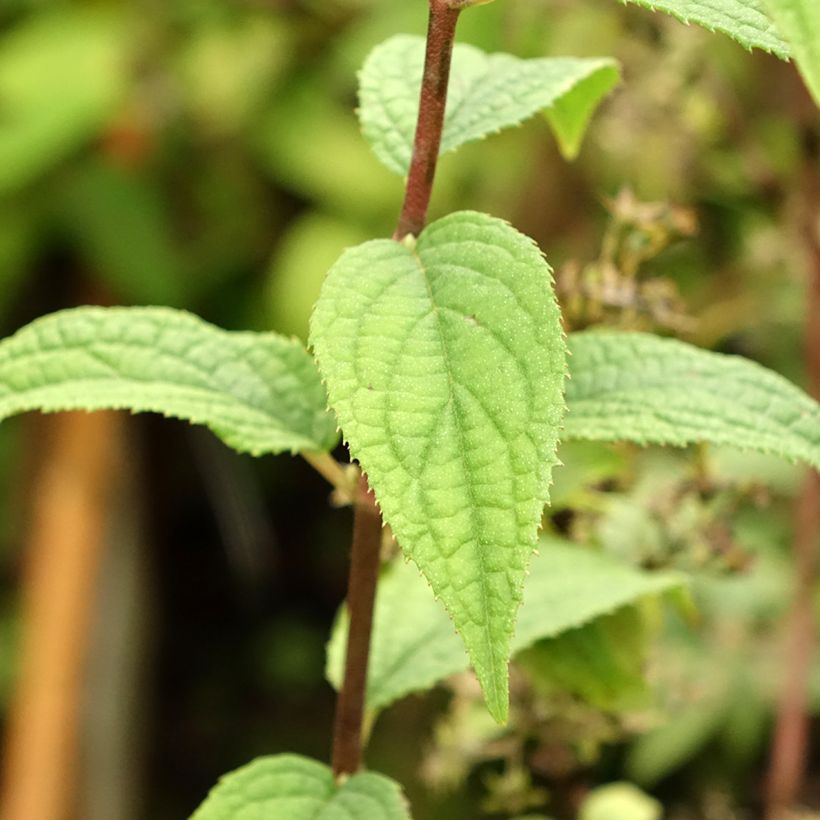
x: 799, y: 21
x: 638, y: 387
x: 414, y: 645
x: 487, y: 93
x: 445, y: 364
x: 745, y: 21
x: 259, y: 392
x: 291, y: 787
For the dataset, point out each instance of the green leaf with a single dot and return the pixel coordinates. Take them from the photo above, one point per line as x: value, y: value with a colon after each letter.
x: 291, y: 787
x: 414, y: 645
x: 445, y: 364
x: 62, y: 75
x: 620, y: 801
x: 799, y: 21
x: 745, y: 21
x: 487, y: 92
x: 639, y: 387
x: 601, y: 662
x: 259, y: 392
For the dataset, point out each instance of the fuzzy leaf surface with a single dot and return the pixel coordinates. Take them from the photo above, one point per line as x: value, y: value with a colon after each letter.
x: 799, y: 21
x: 414, y: 644
x: 445, y: 364
x: 259, y: 392
x: 291, y: 787
x: 746, y: 21
x: 487, y: 93
x: 642, y: 388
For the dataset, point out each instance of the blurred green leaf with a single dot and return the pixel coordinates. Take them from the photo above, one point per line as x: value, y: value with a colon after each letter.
x: 488, y: 92
x: 620, y: 801
x: 414, y: 642
x: 799, y: 22
x: 62, y: 78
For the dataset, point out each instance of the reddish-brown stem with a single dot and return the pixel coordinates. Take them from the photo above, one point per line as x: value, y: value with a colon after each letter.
x: 432, y: 101
x: 367, y: 522
x: 790, y: 743
x: 361, y: 594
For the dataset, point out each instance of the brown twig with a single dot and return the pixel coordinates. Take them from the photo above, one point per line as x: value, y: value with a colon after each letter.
x: 367, y: 522
x: 432, y: 102
x: 790, y: 743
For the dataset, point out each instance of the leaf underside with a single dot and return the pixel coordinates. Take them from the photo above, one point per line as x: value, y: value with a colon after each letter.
x: 445, y: 364
x: 799, y: 21
x: 259, y: 392
x: 291, y: 787
x: 414, y: 643
x: 745, y: 21
x: 487, y: 93
x: 642, y: 388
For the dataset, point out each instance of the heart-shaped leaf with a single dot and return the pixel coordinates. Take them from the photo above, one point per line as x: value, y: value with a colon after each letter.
x: 445, y: 363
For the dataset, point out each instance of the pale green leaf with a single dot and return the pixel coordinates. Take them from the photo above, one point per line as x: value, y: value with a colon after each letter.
x: 62, y: 75
x: 799, y: 22
x: 639, y: 387
x: 487, y: 92
x: 620, y: 801
x: 745, y: 21
x: 291, y: 787
x: 259, y: 392
x: 445, y: 363
x: 415, y: 646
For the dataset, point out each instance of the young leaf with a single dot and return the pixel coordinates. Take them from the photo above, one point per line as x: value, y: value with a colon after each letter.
x: 259, y: 392
x: 291, y: 787
x: 487, y: 92
x: 445, y: 363
x: 639, y: 387
x: 799, y: 21
x: 745, y: 21
x: 414, y: 645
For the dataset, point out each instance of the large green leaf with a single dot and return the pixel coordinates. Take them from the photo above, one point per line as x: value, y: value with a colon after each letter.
x: 445, y: 363
x: 639, y: 387
x: 291, y: 787
x: 414, y: 645
x: 62, y: 75
x: 487, y: 92
x: 743, y: 20
x: 259, y: 392
x: 799, y: 21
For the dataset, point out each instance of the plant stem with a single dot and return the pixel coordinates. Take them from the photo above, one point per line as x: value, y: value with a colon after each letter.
x: 361, y: 594
x: 367, y: 522
x: 432, y: 102
x: 791, y: 735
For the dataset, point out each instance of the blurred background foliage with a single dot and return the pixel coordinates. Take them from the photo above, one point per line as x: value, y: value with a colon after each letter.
x: 205, y: 154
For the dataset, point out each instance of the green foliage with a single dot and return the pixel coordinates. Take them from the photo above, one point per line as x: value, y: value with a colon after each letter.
x: 799, y: 22
x: 414, y: 645
x: 488, y: 92
x: 445, y: 363
x: 743, y: 20
x: 259, y: 392
x: 290, y: 787
x: 601, y: 662
x: 61, y: 78
x: 639, y: 387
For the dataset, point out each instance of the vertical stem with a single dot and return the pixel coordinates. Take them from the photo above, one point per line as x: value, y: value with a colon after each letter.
x: 790, y: 745
x: 432, y: 102
x: 361, y: 594
x: 367, y: 522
